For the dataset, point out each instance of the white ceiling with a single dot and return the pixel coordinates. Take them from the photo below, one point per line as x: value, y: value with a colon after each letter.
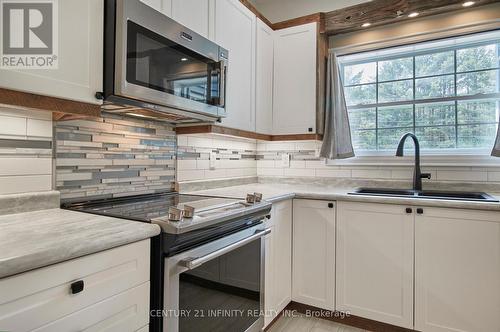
x: 281, y: 10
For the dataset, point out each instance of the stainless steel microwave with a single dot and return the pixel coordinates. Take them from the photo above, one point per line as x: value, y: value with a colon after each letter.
x: 155, y: 65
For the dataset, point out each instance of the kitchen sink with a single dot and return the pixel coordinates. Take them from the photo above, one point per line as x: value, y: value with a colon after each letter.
x: 426, y: 194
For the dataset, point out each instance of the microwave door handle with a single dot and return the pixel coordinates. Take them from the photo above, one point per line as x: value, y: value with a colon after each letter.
x: 194, y: 262
x: 222, y: 83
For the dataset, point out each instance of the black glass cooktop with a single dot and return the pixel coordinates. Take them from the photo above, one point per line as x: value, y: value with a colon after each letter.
x: 147, y: 207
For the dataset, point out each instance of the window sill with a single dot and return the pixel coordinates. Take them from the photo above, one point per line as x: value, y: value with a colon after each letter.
x: 426, y: 161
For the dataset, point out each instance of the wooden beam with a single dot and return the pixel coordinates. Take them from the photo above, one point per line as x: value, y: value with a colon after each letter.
x: 317, y: 18
x: 383, y: 12
x: 45, y: 103
x: 214, y: 129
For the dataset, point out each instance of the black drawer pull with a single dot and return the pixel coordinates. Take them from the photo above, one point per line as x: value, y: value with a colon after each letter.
x: 330, y: 205
x: 77, y: 287
x: 420, y: 211
x: 409, y: 210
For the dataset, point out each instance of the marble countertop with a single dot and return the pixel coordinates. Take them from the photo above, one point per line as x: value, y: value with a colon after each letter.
x: 275, y: 192
x: 35, y: 239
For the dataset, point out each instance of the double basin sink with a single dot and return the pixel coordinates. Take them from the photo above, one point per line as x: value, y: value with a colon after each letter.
x: 426, y: 194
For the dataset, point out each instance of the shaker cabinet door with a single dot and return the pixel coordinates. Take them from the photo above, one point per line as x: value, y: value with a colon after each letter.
x: 235, y: 31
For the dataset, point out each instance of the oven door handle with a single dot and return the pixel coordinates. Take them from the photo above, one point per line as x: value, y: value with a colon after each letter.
x: 194, y: 262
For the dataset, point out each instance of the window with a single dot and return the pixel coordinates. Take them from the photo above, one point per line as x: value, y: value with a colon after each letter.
x: 447, y: 92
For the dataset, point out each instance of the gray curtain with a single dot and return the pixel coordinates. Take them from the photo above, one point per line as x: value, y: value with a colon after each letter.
x: 337, y: 143
x: 496, y: 148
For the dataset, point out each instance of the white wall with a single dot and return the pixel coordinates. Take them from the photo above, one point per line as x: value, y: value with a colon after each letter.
x: 282, y: 10
x: 25, y: 151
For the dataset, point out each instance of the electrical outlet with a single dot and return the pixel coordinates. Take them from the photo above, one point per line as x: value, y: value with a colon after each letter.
x: 212, y: 159
x: 285, y: 160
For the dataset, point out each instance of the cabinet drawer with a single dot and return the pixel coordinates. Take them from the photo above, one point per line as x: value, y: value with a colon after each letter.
x: 33, y: 299
x: 125, y: 312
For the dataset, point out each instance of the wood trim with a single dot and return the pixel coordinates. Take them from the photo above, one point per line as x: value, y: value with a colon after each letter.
x: 383, y: 12
x: 313, y: 18
x: 359, y: 322
x: 254, y: 10
x: 45, y: 103
x: 214, y: 129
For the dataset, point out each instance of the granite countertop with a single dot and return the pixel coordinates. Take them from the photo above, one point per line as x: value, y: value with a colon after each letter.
x: 275, y: 192
x: 31, y: 240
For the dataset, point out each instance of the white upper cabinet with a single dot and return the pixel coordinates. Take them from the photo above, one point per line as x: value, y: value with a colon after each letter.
x: 313, y: 276
x: 457, y: 285
x: 79, y: 74
x: 235, y: 31
x: 163, y: 6
x: 375, y: 262
x: 295, y: 55
x: 264, y: 78
x: 194, y: 14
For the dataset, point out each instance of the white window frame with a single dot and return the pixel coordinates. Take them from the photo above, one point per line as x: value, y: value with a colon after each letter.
x: 442, y: 157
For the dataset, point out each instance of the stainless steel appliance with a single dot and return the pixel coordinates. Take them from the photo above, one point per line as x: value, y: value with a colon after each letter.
x: 155, y: 67
x: 207, y: 270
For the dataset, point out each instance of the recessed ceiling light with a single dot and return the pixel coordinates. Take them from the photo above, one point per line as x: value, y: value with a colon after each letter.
x: 415, y: 14
x: 366, y: 25
x: 184, y: 59
x: 468, y: 3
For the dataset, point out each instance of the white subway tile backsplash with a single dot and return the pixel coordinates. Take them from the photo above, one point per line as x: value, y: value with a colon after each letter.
x: 186, y: 164
x: 23, y: 184
x: 298, y: 172
x: 269, y: 171
x: 12, y: 126
x: 190, y: 175
x: 450, y: 175
x: 333, y: 173
x: 371, y: 174
x: 39, y: 128
x: 25, y: 166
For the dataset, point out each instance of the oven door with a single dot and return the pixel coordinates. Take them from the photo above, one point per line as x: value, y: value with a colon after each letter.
x: 162, y: 62
x: 218, y: 286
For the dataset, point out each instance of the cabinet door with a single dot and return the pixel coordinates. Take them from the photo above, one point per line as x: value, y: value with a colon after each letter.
x: 235, y: 31
x: 79, y: 74
x: 269, y: 292
x: 457, y: 271
x: 264, y: 78
x: 313, y: 265
x: 163, y: 6
x: 194, y: 14
x: 375, y: 262
x: 294, y: 110
x: 282, y: 251
x: 278, y: 274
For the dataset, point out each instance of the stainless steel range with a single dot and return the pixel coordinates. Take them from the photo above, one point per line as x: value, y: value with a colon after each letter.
x: 207, y: 270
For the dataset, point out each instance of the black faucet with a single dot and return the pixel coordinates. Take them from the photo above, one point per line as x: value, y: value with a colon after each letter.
x: 417, y: 174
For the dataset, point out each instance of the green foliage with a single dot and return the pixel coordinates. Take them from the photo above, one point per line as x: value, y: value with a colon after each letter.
x: 444, y: 125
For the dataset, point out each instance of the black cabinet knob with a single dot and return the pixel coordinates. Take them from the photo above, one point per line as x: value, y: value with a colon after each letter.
x: 330, y: 205
x: 409, y: 210
x: 310, y: 130
x: 77, y: 287
x: 99, y: 95
x: 420, y: 211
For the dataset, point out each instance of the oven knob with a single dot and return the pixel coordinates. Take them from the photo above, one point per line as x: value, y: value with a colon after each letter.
x: 175, y: 214
x: 188, y: 211
x: 258, y: 197
x: 250, y: 198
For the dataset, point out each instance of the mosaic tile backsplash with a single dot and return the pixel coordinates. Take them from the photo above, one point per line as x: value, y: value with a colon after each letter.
x: 113, y: 156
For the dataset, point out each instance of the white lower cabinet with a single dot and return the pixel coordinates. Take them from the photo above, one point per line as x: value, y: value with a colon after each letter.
x: 115, y: 294
x: 375, y: 262
x: 313, y: 277
x: 278, y: 261
x: 457, y: 280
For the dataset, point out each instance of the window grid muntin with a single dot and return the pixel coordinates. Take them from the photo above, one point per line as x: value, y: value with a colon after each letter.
x: 455, y: 98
